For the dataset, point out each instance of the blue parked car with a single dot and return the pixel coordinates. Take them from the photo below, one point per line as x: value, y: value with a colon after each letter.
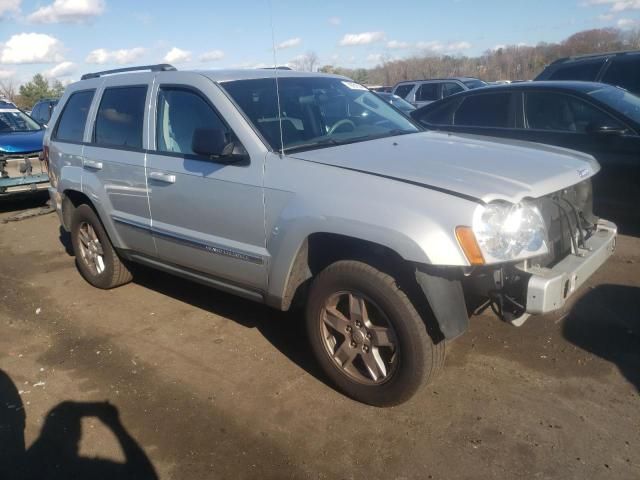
x: 21, y: 167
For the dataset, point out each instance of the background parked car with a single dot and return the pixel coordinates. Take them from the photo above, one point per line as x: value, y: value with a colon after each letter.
x: 42, y: 110
x: 7, y: 104
x: 396, y: 101
x: 598, y: 119
x: 20, y: 145
x: 423, y: 92
x: 621, y: 69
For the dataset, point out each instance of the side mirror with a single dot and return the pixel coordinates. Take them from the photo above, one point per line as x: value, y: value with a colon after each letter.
x: 211, y: 143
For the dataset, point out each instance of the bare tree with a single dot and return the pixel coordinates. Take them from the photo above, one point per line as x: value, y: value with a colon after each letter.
x: 305, y: 63
x: 9, y: 90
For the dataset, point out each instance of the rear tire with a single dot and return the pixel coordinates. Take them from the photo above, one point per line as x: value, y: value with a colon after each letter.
x: 367, y: 336
x: 96, y: 259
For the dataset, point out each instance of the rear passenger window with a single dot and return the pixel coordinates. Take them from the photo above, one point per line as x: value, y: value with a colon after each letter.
x: 578, y: 71
x: 427, y: 92
x: 180, y: 113
x: 120, y: 117
x: 74, y: 117
x: 488, y: 110
x: 403, y: 90
x: 624, y: 72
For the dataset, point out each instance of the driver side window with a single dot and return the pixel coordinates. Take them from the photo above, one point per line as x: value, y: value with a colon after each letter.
x: 180, y: 113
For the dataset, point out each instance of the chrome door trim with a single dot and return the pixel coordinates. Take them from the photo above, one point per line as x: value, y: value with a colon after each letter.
x: 208, y: 247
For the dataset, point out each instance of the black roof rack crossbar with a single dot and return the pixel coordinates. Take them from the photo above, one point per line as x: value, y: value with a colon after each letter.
x: 161, y: 67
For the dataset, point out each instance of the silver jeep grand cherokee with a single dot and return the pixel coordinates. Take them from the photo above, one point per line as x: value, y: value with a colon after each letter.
x: 289, y: 188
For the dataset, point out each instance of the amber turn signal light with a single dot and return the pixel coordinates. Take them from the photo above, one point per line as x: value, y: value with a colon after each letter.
x: 470, y: 247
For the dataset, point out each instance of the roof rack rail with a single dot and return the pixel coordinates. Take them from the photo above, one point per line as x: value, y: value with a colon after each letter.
x: 601, y: 54
x: 161, y: 67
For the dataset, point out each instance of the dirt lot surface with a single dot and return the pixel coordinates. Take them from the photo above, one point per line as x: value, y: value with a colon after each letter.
x: 211, y: 386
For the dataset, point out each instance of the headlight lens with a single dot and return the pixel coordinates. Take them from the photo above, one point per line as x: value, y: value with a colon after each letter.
x: 505, y: 231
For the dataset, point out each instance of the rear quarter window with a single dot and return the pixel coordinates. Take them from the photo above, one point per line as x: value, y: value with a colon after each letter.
x: 584, y: 70
x: 72, y: 121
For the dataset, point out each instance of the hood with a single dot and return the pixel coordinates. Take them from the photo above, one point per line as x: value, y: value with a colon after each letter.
x: 465, y: 165
x: 21, y: 142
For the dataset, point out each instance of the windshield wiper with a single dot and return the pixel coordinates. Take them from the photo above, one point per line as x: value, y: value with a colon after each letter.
x: 331, y: 142
x: 325, y: 142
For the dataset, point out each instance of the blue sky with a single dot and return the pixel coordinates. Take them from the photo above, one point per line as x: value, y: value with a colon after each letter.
x: 65, y: 38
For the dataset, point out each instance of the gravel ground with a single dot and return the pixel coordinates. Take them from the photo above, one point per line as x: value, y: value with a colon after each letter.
x: 165, y: 378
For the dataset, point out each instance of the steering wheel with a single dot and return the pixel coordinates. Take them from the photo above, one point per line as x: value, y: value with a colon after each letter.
x: 340, y: 123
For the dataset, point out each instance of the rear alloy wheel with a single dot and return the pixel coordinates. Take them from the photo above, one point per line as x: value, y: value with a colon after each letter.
x: 96, y: 258
x: 367, y: 336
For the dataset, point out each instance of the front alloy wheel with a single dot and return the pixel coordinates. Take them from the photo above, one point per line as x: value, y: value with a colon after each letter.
x: 367, y: 335
x: 359, y: 337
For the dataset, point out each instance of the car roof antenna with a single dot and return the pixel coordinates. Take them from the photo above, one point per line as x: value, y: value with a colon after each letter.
x: 275, y: 70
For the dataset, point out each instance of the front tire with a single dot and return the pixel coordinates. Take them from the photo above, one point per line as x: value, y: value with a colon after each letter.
x: 96, y: 258
x: 367, y: 336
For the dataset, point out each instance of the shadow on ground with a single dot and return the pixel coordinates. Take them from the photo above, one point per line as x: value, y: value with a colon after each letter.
x: 284, y: 330
x: 606, y: 322
x: 55, y: 453
x: 23, y: 201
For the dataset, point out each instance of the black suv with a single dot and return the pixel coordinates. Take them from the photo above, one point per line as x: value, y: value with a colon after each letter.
x: 621, y: 69
x: 42, y: 110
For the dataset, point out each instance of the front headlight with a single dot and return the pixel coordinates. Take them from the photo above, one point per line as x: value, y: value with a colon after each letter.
x: 505, y: 231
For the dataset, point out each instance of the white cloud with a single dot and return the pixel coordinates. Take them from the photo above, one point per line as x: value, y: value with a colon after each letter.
x: 6, y: 74
x: 395, y: 44
x: 212, y: 56
x: 177, y: 55
x: 290, y: 43
x: 121, y: 56
x: 364, y: 38
x: 606, y: 17
x: 63, y: 69
x: 442, y: 48
x: 616, y: 5
x: 628, y: 23
x: 9, y: 6
x: 68, y: 11
x: 252, y: 65
x: 31, y: 48
x: 374, y: 58
x: 335, y: 21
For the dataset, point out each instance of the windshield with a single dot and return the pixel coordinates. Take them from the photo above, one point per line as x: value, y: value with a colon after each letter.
x: 13, y: 120
x: 475, y: 83
x: 620, y: 100
x: 316, y: 112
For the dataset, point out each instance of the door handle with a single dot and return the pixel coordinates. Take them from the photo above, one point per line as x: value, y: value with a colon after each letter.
x: 162, y: 177
x: 92, y: 164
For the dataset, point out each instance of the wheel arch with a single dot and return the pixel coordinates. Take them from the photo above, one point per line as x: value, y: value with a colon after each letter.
x: 316, y: 251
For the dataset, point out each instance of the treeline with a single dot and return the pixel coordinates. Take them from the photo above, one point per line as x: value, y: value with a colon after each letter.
x: 511, y: 62
x: 28, y: 94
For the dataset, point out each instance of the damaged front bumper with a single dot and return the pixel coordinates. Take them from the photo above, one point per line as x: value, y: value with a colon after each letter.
x: 549, y: 288
x: 22, y: 173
